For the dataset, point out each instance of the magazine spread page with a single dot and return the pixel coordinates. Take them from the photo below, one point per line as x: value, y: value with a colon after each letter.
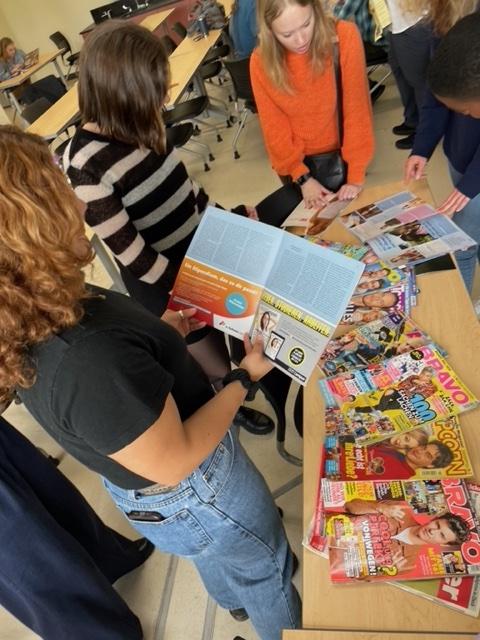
x: 412, y: 529
x: 244, y: 276
x: 304, y: 297
x: 376, y: 218
x: 415, y: 242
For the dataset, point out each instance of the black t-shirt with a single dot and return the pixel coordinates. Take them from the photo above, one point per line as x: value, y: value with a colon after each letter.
x: 103, y: 383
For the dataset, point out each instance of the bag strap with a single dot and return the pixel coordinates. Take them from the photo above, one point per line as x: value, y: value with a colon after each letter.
x: 339, y: 90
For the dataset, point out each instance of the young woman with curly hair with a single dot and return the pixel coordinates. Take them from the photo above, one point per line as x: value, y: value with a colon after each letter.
x: 117, y: 388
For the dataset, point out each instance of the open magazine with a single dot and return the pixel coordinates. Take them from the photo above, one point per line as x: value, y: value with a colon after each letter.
x: 244, y: 276
x: 412, y: 389
x: 406, y: 530
x: 403, y: 230
x: 431, y: 452
x: 372, y: 342
x: 314, y: 221
x: 461, y: 593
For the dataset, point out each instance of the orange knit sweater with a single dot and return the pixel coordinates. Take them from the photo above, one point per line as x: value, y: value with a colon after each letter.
x: 305, y: 122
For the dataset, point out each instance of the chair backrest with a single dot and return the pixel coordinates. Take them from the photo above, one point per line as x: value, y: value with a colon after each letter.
x: 168, y: 44
x: 375, y: 54
x: 60, y: 41
x: 36, y: 109
x: 179, y: 29
x: 240, y: 72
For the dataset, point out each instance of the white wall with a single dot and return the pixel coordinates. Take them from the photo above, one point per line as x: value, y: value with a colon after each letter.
x: 30, y: 22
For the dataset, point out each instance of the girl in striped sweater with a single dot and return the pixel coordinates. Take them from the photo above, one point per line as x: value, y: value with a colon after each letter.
x: 139, y: 198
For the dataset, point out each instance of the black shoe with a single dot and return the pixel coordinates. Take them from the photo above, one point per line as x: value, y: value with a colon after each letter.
x: 140, y: 550
x: 405, y: 143
x: 376, y: 93
x: 240, y: 615
x: 403, y: 130
x: 254, y: 421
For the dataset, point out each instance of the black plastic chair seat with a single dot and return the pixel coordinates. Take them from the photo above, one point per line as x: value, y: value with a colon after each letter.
x: 180, y: 134
x: 73, y: 58
x: 35, y: 109
x: 210, y: 70
x: 185, y: 110
x: 217, y: 52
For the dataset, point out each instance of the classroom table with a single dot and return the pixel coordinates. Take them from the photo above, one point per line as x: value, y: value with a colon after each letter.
x: 16, y: 81
x: 154, y: 20
x: 445, y: 311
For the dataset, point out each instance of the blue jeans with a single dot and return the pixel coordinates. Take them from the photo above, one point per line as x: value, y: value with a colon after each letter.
x: 224, y: 519
x: 468, y: 219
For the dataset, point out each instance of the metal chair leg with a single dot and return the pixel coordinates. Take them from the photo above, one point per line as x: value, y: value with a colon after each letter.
x: 241, y: 124
x: 161, y: 623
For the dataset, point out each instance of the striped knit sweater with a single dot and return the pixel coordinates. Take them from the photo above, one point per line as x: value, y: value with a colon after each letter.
x: 141, y: 204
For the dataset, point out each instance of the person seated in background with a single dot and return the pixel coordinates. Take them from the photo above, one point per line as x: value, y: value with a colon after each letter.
x: 242, y: 27
x: 12, y: 61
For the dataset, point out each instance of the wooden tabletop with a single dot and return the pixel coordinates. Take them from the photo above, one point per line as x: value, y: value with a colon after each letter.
x: 319, y: 634
x: 445, y: 311
x: 43, y: 59
x: 154, y: 20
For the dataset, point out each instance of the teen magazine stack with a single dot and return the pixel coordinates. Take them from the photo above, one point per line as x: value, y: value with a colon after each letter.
x: 396, y: 501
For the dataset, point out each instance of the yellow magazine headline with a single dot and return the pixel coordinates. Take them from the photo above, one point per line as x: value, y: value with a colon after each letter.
x: 296, y: 314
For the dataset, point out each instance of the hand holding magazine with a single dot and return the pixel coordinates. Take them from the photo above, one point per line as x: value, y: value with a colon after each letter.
x: 244, y: 276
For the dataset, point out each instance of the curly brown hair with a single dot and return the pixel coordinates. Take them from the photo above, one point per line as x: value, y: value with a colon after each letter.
x: 42, y: 252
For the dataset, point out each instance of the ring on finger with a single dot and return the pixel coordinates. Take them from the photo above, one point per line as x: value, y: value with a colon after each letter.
x: 180, y: 313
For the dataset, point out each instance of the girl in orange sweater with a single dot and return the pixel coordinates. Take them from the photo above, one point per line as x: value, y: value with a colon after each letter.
x: 293, y: 80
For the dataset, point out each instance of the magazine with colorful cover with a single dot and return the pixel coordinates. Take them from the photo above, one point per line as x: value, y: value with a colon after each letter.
x: 461, y: 593
x: 431, y: 452
x: 372, y: 342
x: 378, y: 304
x: 345, y: 387
x: 244, y: 276
x: 376, y: 218
x: 378, y: 276
x: 415, y: 242
x: 360, y: 252
x: 417, y: 388
x: 406, y: 530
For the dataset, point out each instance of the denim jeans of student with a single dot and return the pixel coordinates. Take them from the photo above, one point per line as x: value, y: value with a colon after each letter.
x: 468, y: 219
x: 223, y: 518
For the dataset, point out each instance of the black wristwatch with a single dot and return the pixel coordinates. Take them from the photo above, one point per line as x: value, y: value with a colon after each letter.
x: 244, y: 378
x: 302, y: 179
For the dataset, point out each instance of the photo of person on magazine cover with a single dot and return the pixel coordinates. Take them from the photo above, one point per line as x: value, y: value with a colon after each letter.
x: 409, y: 532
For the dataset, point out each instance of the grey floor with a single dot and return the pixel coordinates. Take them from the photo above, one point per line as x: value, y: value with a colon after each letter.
x: 229, y: 182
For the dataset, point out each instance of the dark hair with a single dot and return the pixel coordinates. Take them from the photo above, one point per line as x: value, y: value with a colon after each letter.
x: 454, y: 70
x: 123, y: 81
x: 444, y: 456
x: 458, y: 526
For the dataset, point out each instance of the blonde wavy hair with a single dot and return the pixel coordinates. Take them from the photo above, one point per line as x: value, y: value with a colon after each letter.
x: 272, y: 52
x: 442, y: 14
x: 41, y: 280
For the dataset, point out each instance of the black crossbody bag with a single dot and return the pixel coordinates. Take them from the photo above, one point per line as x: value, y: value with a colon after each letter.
x: 329, y: 168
